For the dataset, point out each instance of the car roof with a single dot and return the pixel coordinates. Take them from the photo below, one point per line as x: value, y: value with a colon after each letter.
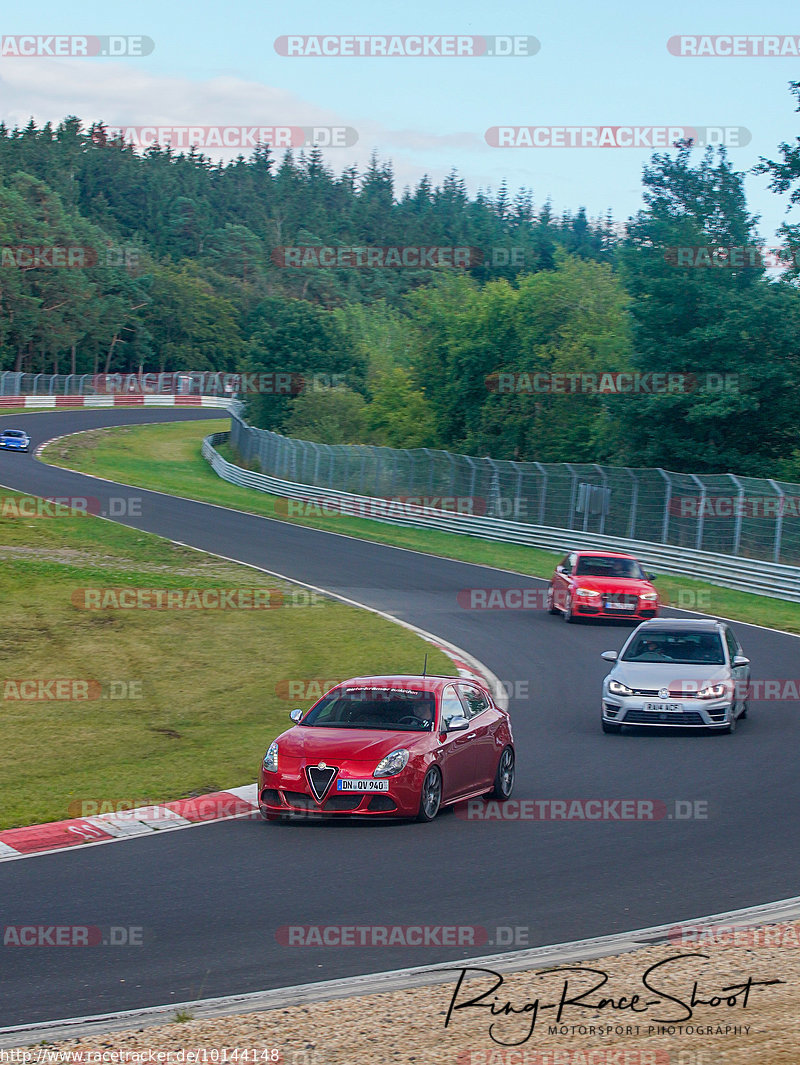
x: 603, y: 554
x: 428, y: 683
x: 683, y: 624
x: 15, y: 431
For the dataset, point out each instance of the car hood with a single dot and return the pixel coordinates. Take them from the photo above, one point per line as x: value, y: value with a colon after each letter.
x: 666, y: 674
x: 618, y: 585
x: 310, y: 744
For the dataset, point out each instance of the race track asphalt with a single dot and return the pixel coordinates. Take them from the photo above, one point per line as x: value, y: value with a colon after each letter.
x: 211, y: 900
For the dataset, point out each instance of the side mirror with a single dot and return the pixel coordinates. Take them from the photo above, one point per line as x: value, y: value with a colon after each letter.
x: 740, y: 660
x: 610, y: 656
x: 559, y: 569
x: 457, y: 724
x: 652, y: 576
x: 295, y: 715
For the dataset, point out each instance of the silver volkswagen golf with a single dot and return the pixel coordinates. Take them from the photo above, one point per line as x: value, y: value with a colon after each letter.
x: 677, y: 673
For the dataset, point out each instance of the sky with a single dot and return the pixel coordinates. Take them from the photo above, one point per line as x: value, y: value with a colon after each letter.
x: 591, y: 65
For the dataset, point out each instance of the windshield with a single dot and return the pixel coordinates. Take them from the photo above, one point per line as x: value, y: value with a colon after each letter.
x: 686, y: 648
x: 374, y: 708
x: 599, y: 566
x: 13, y: 432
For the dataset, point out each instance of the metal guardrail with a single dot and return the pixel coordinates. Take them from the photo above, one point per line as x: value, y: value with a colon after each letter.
x: 724, y: 514
x: 750, y: 575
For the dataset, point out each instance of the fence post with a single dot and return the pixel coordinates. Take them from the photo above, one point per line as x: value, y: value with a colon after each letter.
x: 543, y: 493
x: 572, y: 495
x: 667, y: 501
x: 517, y: 493
x: 701, y: 521
x: 473, y: 474
x: 604, y: 480
x: 776, y: 549
x: 494, y: 490
x: 737, y: 529
x: 634, y: 501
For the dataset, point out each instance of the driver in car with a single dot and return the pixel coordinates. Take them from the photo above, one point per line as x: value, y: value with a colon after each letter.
x: 653, y: 650
x: 423, y: 713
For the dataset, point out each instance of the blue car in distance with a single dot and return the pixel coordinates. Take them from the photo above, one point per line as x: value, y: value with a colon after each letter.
x: 14, y: 440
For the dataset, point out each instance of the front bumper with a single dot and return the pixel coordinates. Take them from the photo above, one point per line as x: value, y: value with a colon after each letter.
x: 694, y: 713
x: 288, y: 794
x: 588, y: 610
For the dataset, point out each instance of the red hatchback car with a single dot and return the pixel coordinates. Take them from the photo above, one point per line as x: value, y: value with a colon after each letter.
x: 602, y: 584
x: 389, y: 746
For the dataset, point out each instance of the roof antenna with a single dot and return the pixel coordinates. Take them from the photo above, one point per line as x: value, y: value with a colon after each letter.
x: 425, y: 666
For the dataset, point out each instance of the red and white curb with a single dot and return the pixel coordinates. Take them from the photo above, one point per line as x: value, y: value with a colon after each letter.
x: 123, y: 824
x: 130, y: 400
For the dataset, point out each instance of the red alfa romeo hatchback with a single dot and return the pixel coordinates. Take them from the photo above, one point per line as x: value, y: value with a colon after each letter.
x: 389, y: 746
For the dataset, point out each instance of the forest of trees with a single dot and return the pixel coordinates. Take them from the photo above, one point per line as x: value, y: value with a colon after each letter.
x: 183, y: 271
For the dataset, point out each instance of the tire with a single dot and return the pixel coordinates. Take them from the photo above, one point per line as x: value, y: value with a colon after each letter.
x: 731, y: 728
x: 550, y: 608
x: 569, y: 617
x: 504, y: 777
x: 611, y: 726
x: 431, y: 795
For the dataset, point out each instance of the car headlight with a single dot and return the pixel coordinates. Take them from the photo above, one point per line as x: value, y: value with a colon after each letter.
x: 711, y: 691
x: 589, y: 592
x: 648, y: 595
x: 615, y: 688
x: 392, y: 763
x: 271, y: 758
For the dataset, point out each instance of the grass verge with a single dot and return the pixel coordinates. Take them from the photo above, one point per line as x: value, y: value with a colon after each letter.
x: 181, y: 701
x: 167, y: 458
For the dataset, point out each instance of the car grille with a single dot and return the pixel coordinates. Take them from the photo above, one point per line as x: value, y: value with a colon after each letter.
x: 641, y: 717
x: 344, y: 802
x: 673, y: 694
x: 321, y: 779
x: 620, y: 600
x: 300, y: 800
